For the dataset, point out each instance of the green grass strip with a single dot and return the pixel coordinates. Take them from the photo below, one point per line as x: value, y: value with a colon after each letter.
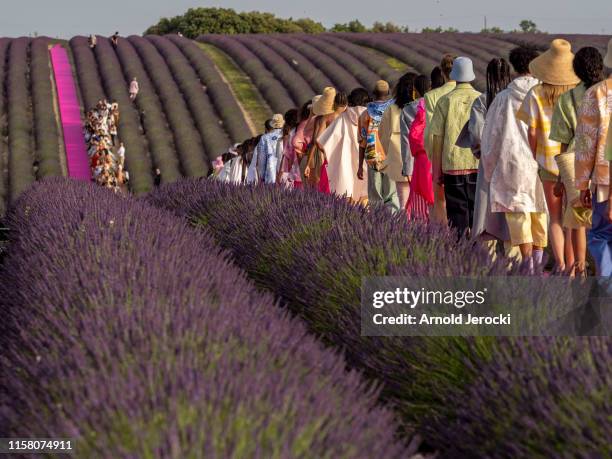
x: 248, y: 96
x: 394, y: 63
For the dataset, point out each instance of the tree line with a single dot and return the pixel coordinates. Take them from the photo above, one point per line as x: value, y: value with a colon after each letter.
x: 198, y: 21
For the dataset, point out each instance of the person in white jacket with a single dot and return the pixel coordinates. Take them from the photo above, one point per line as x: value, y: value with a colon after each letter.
x: 509, y: 165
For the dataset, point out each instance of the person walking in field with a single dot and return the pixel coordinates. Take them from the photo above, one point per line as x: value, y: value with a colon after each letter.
x: 554, y: 69
x: 489, y: 227
x: 115, y: 39
x: 93, y: 41
x: 326, y: 109
x: 121, y: 155
x: 341, y: 146
x: 288, y: 169
x: 381, y: 189
x: 265, y: 158
x: 398, y: 169
x: 431, y: 100
x: 134, y: 88
x: 509, y: 167
x: 588, y: 66
x: 455, y: 168
x: 413, y: 143
x: 593, y: 166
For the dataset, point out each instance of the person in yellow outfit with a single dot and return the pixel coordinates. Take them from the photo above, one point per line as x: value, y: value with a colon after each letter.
x: 554, y: 69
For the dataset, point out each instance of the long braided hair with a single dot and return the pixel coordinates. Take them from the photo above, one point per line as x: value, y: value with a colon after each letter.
x: 498, y: 78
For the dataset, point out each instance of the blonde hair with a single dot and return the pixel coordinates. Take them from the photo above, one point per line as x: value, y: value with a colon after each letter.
x: 551, y: 92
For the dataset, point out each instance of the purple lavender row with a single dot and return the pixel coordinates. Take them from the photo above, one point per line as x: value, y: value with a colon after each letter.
x: 45, y: 123
x: 361, y: 71
x: 87, y: 73
x: 187, y: 138
x: 218, y: 90
x: 312, y: 250
x: 297, y: 86
x: 20, y: 139
x: 309, y: 71
x: 341, y: 78
x: 137, y: 160
x: 132, y: 333
x: 214, y: 138
x: 376, y: 63
x: 4, y: 46
x: 153, y: 118
x: 273, y: 92
x: 420, y: 63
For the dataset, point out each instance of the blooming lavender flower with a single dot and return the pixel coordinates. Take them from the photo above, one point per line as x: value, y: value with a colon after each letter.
x: 133, y: 333
x: 312, y: 250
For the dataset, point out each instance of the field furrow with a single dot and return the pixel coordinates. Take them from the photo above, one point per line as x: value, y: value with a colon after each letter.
x: 218, y: 90
x: 187, y: 138
x: 160, y: 136
x: 214, y: 137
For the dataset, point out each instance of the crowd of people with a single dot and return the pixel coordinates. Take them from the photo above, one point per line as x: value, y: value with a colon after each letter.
x: 520, y: 167
x: 106, y: 154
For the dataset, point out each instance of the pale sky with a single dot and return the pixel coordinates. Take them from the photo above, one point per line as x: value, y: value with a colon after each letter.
x: 66, y: 18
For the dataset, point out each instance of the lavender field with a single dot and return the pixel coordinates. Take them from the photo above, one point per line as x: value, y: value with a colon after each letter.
x: 197, y: 319
x: 189, y: 110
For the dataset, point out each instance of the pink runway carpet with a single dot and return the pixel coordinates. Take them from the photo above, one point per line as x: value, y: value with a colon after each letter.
x: 76, y: 154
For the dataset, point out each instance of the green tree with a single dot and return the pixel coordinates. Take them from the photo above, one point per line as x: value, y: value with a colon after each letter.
x: 354, y: 26
x: 388, y: 27
x: 310, y: 26
x: 432, y: 30
x: 528, y: 26
x: 198, y: 21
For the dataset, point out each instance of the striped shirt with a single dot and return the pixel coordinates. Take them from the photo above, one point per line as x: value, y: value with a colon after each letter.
x: 536, y: 112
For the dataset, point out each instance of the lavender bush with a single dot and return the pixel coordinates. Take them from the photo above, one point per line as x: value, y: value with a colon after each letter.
x: 87, y: 72
x: 159, y: 136
x: 375, y: 62
x: 312, y: 251
x: 4, y: 46
x: 132, y: 333
x: 137, y: 160
x: 20, y: 139
x: 45, y: 123
x: 541, y: 397
x: 296, y: 85
x: 417, y: 62
x: 210, y: 126
x: 343, y: 80
x: 271, y: 90
x: 366, y: 77
x: 218, y: 90
x: 186, y: 136
x: 309, y: 71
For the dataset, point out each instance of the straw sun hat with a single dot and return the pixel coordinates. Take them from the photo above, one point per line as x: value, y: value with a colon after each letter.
x: 555, y: 66
x: 325, y: 104
x: 278, y: 121
x: 608, y: 58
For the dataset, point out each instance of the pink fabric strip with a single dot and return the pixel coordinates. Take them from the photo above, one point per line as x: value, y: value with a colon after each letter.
x: 72, y: 125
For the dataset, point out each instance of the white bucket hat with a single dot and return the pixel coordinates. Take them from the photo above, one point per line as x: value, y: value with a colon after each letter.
x: 463, y: 70
x: 608, y: 58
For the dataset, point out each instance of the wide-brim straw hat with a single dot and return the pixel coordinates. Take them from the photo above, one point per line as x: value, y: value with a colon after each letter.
x: 555, y: 66
x: 325, y: 104
x: 278, y: 121
x: 608, y: 58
